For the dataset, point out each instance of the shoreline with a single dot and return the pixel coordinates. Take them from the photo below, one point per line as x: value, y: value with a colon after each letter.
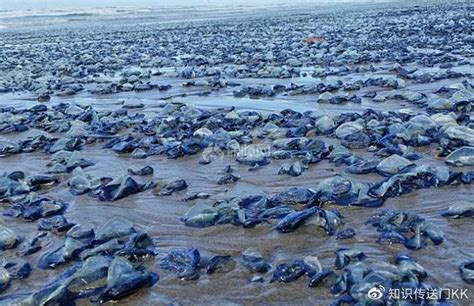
x: 204, y: 13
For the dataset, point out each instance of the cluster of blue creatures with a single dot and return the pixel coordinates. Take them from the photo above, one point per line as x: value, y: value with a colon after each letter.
x: 422, y: 46
x: 112, y: 261
x: 107, y: 263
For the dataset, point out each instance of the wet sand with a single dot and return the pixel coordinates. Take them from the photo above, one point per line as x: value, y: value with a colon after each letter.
x: 160, y: 216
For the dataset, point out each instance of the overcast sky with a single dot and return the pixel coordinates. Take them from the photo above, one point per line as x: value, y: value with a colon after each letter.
x: 31, y: 4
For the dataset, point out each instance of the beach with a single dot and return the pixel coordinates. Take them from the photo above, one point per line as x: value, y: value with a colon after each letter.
x: 286, y: 132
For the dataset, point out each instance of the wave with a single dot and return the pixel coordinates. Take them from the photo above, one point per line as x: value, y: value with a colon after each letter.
x: 66, y: 15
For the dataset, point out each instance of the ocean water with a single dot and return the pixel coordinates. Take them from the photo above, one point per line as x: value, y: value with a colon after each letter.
x: 14, y: 15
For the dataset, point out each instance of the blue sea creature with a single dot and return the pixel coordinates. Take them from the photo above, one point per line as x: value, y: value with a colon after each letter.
x: 183, y: 262
x: 467, y: 272
x: 289, y: 272
x: 322, y: 277
x: 8, y: 238
x: 293, y: 220
x: 346, y: 256
x: 254, y: 261
x: 123, y: 279
x: 52, y: 259
x: 346, y: 234
x: 220, y: 264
